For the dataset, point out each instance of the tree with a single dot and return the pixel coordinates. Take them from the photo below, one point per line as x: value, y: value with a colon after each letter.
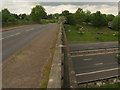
x: 56, y: 15
x: 110, y: 17
x: 79, y: 16
x: 88, y: 16
x: 5, y: 15
x: 38, y: 13
x: 70, y: 19
x: 65, y: 13
x: 99, y: 19
x: 12, y: 18
x: 22, y: 16
x: 50, y: 16
x: 116, y: 23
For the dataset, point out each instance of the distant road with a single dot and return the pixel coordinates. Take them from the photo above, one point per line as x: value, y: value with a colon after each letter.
x: 15, y: 39
x: 94, y: 66
x: 92, y: 46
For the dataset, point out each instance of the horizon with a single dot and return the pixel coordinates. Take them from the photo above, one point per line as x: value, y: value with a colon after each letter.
x: 56, y: 8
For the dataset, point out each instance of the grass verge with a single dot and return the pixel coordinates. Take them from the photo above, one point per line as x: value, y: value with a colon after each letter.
x: 47, y: 66
x: 116, y: 85
x: 91, y: 34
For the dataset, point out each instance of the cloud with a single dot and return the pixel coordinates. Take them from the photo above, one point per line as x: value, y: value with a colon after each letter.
x: 93, y: 8
x: 25, y: 7
x: 18, y: 7
x: 61, y: 0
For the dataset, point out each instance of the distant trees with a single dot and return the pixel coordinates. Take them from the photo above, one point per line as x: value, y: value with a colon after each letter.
x: 5, y: 15
x: 78, y: 18
x: 87, y: 17
x: 37, y: 13
x: 96, y: 19
x: 116, y: 23
x: 99, y: 19
x: 110, y: 17
x: 70, y: 19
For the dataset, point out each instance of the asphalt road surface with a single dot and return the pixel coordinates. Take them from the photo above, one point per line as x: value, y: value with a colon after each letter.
x: 95, y: 67
x: 92, y: 46
x: 13, y: 40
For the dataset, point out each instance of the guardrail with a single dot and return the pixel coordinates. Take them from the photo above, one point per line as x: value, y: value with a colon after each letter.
x: 90, y: 52
x: 69, y: 79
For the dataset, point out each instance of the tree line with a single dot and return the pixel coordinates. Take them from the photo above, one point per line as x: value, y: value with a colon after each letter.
x: 37, y: 15
x: 96, y: 19
x: 79, y: 17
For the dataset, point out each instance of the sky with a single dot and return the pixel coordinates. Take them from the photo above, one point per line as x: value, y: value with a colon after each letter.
x: 81, y: 0
x: 25, y: 6
x: 60, y: 0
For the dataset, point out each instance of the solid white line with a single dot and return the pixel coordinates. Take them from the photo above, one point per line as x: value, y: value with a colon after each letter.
x: 87, y: 59
x: 97, y: 71
x: 99, y: 79
x: 12, y: 35
x: 94, y: 50
x: 98, y: 63
x: 30, y: 29
x: 17, y: 33
x: 94, y: 54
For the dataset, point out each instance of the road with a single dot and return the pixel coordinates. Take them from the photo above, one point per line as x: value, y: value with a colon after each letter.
x: 29, y: 68
x: 94, y: 66
x: 92, y: 46
x: 13, y: 40
x: 92, y: 63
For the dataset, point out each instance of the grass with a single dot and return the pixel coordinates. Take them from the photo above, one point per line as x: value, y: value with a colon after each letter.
x: 116, y: 85
x: 47, y: 67
x: 91, y: 34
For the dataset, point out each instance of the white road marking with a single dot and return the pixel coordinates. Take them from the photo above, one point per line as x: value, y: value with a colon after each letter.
x: 97, y: 71
x: 99, y: 78
x: 17, y: 33
x: 30, y: 29
x: 94, y: 50
x: 1, y: 38
x: 11, y: 35
x: 94, y: 54
x: 98, y: 63
x: 87, y: 59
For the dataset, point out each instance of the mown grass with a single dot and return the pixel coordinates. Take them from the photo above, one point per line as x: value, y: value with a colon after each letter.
x: 116, y: 85
x: 91, y: 34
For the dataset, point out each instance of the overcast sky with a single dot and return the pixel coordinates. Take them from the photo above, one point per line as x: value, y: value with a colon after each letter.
x: 25, y: 6
x: 81, y: 0
x: 61, y: 0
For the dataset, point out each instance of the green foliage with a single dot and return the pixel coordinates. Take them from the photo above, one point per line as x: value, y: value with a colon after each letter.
x: 5, y: 15
x: 65, y: 13
x: 116, y: 23
x: 87, y: 17
x: 110, y: 17
x: 70, y: 19
x: 46, y: 21
x: 12, y: 19
x: 89, y: 34
x: 22, y: 16
x: 99, y: 19
x: 79, y: 16
x: 38, y: 13
x: 112, y: 86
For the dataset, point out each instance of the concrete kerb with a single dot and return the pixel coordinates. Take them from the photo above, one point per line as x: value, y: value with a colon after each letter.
x: 55, y: 73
